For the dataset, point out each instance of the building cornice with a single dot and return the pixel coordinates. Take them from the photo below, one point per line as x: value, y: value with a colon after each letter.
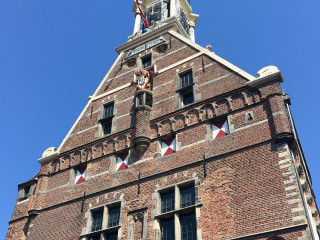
x: 262, y: 80
x: 48, y: 159
x: 170, y: 24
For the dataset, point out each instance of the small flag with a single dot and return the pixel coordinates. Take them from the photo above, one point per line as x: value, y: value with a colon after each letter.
x: 143, y: 16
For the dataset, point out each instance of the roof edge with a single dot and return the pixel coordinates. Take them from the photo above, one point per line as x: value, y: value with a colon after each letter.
x: 48, y: 159
x: 265, y: 79
x: 244, y: 74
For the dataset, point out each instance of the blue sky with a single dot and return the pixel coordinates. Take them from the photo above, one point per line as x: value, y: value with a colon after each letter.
x: 53, y: 54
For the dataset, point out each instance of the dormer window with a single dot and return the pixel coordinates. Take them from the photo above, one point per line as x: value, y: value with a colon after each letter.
x: 26, y: 191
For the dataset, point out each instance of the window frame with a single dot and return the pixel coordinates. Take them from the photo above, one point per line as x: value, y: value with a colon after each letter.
x: 186, y: 89
x: 94, y: 213
x: 105, y: 229
x: 146, y: 59
x: 106, y: 119
x: 178, y: 212
x: 141, y: 98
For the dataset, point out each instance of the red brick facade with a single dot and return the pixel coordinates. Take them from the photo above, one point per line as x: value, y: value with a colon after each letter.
x: 246, y: 184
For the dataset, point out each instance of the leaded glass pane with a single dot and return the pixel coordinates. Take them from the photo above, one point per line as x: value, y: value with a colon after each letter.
x: 108, y: 110
x: 167, y: 229
x: 112, y: 236
x: 114, y: 215
x: 96, y: 221
x: 187, y: 197
x: 187, y: 98
x: 107, y: 128
x: 167, y: 202
x: 188, y: 227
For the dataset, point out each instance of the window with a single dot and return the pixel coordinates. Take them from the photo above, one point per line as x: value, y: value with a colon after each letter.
x: 167, y: 229
x: 167, y: 202
x: 108, y: 110
x: 146, y: 61
x: 105, y: 223
x: 186, y: 79
x: 186, y: 88
x: 184, y: 211
x: 112, y: 236
x: 187, y: 98
x: 144, y: 99
x: 106, y: 121
x: 220, y: 129
x: 188, y: 226
x: 187, y: 197
x: 114, y: 216
x: 96, y: 221
x: 26, y: 190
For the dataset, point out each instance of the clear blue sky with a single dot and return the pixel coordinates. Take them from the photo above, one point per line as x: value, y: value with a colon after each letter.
x: 53, y: 54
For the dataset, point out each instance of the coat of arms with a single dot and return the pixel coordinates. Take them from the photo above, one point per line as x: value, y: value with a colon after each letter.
x: 143, y: 80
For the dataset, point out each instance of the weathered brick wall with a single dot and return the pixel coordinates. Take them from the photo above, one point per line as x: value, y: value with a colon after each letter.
x: 249, y: 187
x: 234, y: 201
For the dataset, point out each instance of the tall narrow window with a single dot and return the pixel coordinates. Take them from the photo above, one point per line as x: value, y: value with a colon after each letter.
x: 108, y: 110
x: 96, y: 221
x: 184, y: 212
x: 167, y: 202
x: 186, y: 88
x: 187, y: 197
x: 114, y: 216
x: 186, y: 79
x: 167, y: 229
x: 106, y: 121
x: 188, y: 227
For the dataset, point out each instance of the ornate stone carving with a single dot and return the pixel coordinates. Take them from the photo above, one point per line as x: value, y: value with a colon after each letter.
x: 137, y: 34
x: 143, y: 80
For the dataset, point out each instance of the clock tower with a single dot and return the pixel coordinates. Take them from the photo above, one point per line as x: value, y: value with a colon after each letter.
x: 165, y: 12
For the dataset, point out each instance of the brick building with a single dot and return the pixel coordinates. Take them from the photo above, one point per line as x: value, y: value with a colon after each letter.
x: 175, y: 143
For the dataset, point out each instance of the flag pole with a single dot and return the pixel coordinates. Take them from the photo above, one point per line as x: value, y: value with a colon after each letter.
x: 143, y: 16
